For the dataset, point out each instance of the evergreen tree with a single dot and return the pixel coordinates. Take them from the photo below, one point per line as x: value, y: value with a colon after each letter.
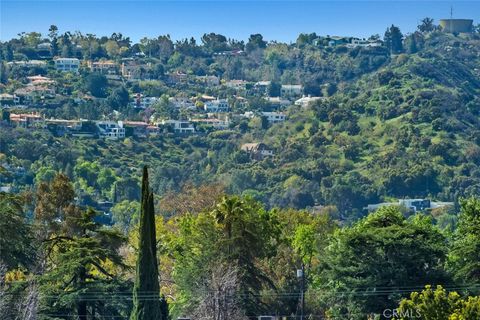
x: 393, y: 39
x: 146, y: 292
x: 464, y: 254
x: 412, y: 45
x: 80, y: 257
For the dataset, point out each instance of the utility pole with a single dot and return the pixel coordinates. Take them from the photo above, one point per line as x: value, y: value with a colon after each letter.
x: 301, y: 276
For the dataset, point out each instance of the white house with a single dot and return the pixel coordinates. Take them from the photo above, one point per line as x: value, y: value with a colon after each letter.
x: 142, y: 102
x: 278, y: 102
x: 67, y: 64
x: 218, y: 105
x: 306, y: 100
x: 29, y: 63
x: 291, y: 90
x: 412, y: 205
x: 104, y: 67
x: 355, y: 42
x: 236, y: 84
x: 182, y: 102
x: 274, y: 117
x: 214, y: 122
x: 111, y: 129
x: 179, y: 126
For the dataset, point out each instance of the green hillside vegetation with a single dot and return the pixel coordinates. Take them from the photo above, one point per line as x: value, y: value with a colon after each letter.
x: 401, y: 125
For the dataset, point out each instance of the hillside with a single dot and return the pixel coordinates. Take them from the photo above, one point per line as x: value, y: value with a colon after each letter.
x: 405, y: 125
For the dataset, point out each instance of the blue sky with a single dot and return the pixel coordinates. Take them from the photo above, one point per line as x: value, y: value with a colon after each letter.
x: 276, y: 20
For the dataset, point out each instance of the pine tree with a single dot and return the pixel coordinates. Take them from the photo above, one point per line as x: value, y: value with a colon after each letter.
x: 146, y: 291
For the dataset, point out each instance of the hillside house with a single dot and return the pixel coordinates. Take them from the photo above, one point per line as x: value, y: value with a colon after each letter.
x: 179, y: 126
x: 7, y: 99
x: 337, y: 40
x: 213, y: 122
x: 260, y: 87
x: 274, y: 117
x: 412, y: 205
x: 26, y: 120
x: 209, y: 81
x: 61, y: 127
x: 257, y: 151
x: 67, y: 64
x: 28, y: 63
x: 111, y: 129
x: 182, y: 103
x: 305, y: 101
x: 104, y: 67
x: 356, y: 42
x: 135, y: 128
x: 218, y: 105
x: 277, y: 102
x: 236, y: 84
x: 141, y: 102
x: 153, y: 131
x: 31, y: 91
x: 291, y: 90
x: 177, y: 77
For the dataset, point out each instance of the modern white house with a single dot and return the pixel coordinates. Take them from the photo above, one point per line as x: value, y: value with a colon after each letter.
x: 29, y: 63
x: 209, y: 81
x: 278, y: 102
x: 413, y: 205
x: 306, y: 100
x: 182, y: 103
x: 236, y: 84
x: 213, y: 122
x: 111, y: 129
x: 218, y: 105
x: 291, y: 90
x: 274, y: 117
x: 355, y: 42
x: 67, y: 64
x: 141, y: 102
x: 104, y: 67
x: 179, y: 126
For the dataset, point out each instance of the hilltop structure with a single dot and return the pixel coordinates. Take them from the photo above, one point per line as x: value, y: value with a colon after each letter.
x: 456, y: 25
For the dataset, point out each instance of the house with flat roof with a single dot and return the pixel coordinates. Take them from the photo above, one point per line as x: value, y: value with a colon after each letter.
x: 179, y: 126
x: 213, y: 122
x: 291, y: 90
x: 412, y: 205
x: 218, y: 105
x: 111, y: 129
x: 142, y: 102
x: 182, y: 103
x: 103, y: 67
x: 67, y: 64
x: 305, y: 101
x: 26, y: 120
x: 274, y: 117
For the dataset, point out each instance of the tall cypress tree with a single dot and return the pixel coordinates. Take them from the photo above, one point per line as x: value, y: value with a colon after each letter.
x: 146, y: 291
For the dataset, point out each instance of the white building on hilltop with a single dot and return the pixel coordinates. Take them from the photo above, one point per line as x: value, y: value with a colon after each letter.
x: 305, y: 101
x: 67, y: 64
x: 412, y: 205
x: 179, y: 126
x: 291, y: 90
x: 111, y: 129
x: 274, y: 117
x: 218, y: 105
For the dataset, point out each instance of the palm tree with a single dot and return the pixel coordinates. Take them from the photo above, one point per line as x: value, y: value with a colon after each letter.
x: 229, y: 211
